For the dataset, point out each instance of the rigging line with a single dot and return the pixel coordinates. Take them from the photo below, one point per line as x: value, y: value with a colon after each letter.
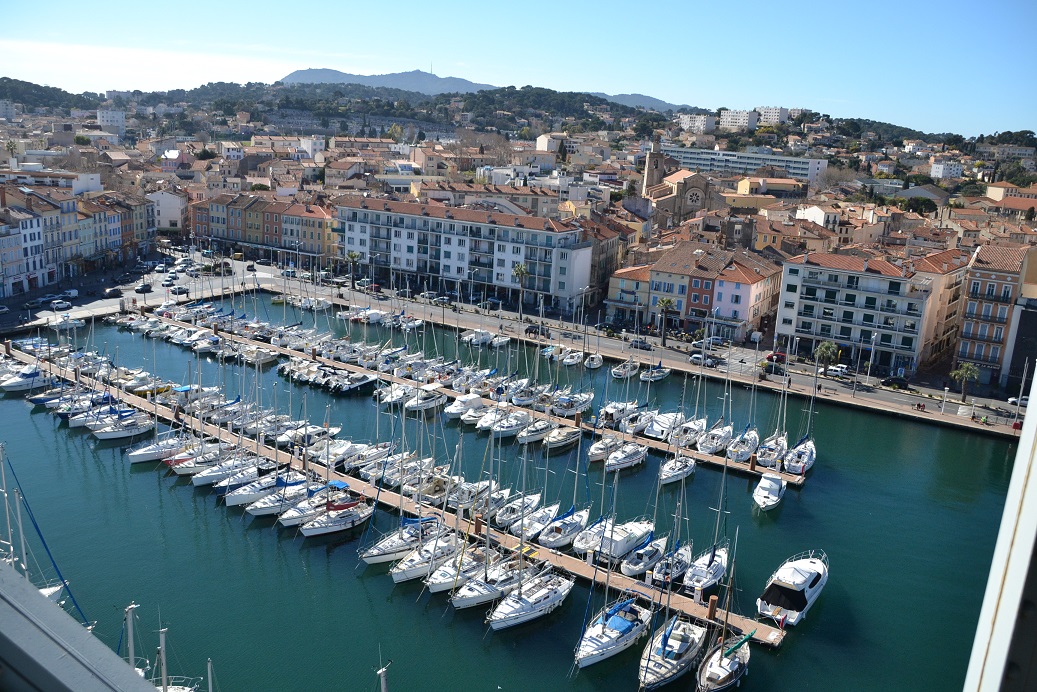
x: 46, y: 548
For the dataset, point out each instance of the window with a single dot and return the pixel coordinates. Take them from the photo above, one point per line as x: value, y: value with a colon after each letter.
x: 695, y: 283
x: 563, y: 255
x: 734, y: 314
x: 561, y: 271
x: 787, y: 321
x: 694, y: 298
x: 707, y: 285
x: 561, y: 285
x: 446, y: 254
x: 853, y: 281
x: 720, y: 296
x: 447, y: 240
x: 736, y: 299
x: 791, y: 288
x: 501, y: 247
x: 500, y: 264
x: 1006, y: 292
x: 720, y: 284
x: 793, y: 271
x: 682, y: 289
x: 845, y: 332
x: 869, y: 318
x: 680, y: 305
x: 850, y: 299
x: 461, y: 242
x: 460, y: 271
x: 705, y: 300
x: 788, y: 303
x: 847, y: 316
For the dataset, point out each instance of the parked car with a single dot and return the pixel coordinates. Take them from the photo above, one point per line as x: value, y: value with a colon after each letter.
x: 113, y: 292
x: 263, y: 262
x: 697, y: 359
x: 142, y: 288
x: 60, y: 305
x: 125, y: 278
x: 32, y: 304
x: 173, y: 275
x: 773, y: 368
x: 838, y: 370
x: 290, y: 273
x: 4, y: 309
x: 47, y: 298
x: 250, y: 267
x: 428, y: 295
x: 160, y: 269
x: 167, y: 282
x: 306, y: 276
x: 1019, y: 401
x: 896, y: 383
x: 489, y: 304
x: 641, y: 344
x: 777, y: 357
x: 70, y: 294
x: 179, y: 290
x: 403, y: 293
x: 700, y: 344
x: 441, y: 300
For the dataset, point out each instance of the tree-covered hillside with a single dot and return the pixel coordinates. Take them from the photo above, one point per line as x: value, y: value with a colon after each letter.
x: 37, y: 96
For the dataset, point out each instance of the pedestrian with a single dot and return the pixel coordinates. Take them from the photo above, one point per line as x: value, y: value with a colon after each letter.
x: 819, y: 388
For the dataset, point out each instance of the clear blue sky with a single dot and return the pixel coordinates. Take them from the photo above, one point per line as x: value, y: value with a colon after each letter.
x: 916, y: 64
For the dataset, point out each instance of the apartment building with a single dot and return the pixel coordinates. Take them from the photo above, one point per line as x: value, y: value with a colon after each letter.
x: 744, y: 163
x: 994, y: 283
x: 733, y: 121
x: 628, y: 294
x: 946, y: 272
x: 112, y: 121
x: 745, y: 296
x: 23, y: 231
x: 431, y: 247
x: 697, y: 124
x: 872, y: 309
x: 686, y: 274
x: 773, y: 115
x: 945, y: 169
x: 540, y: 201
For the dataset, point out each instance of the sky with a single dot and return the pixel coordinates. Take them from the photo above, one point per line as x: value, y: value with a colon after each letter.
x: 909, y: 62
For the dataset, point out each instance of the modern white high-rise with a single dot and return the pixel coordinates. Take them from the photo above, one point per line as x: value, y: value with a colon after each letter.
x: 112, y: 121
x: 946, y: 169
x: 738, y: 120
x: 7, y: 110
x: 773, y: 115
x: 697, y: 123
x: 743, y: 162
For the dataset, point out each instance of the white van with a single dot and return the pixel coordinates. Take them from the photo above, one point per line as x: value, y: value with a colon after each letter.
x: 839, y: 370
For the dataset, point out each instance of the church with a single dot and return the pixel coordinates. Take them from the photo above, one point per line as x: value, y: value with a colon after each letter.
x: 677, y: 196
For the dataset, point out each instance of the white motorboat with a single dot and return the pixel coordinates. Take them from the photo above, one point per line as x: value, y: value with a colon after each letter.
x: 636, y: 423
x: 664, y: 424
x: 491, y: 417
x: 708, y: 568
x: 676, y: 468
x: 536, y: 431
x: 573, y: 358
x: 625, y: 370
x: 616, y: 628
x: 655, y: 373
x: 561, y: 532
x: 794, y: 587
x: 621, y: 539
x: 562, y: 437
x: 800, y: 458
x: 744, y: 446
x: 28, y: 378
x: 462, y: 404
x: 338, y: 516
x: 428, y: 398
x: 571, y: 404
x: 395, y: 394
x: 673, y: 651
x: 615, y: 411
x: 590, y: 538
x: 644, y: 558
x: 603, y: 447
x: 422, y: 560
x: 629, y: 455
x: 716, y: 439
x: 535, y: 597
x: 769, y: 491
x: 593, y: 361
x: 477, y: 337
x: 500, y: 341
x: 400, y: 542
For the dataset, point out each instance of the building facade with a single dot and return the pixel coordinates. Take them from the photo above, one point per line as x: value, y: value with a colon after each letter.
x: 744, y: 163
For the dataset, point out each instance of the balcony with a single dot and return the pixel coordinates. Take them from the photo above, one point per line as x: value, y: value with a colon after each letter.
x: 985, y: 318
x: 991, y: 298
x: 481, y: 264
x: 824, y: 282
x: 980, y: 359
x: 989, y: 338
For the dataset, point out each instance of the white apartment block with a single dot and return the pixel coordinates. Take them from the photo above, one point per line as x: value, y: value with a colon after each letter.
x: 444, y: 249
x: 744, y: 163
x: 738, y: 120
x: 773, y: 115
x: 1004, y: 151
x: 112, y: 121
x: 7, y: 110
x: 946, y: 169
x: 697, y: 124
x: 170, y: 209
x: 871, y: 309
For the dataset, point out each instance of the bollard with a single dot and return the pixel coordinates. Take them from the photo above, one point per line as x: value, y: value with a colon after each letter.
x: 7, y: 347
x: 711, y: 613
x: 752, y: 462
x: 313, y: 353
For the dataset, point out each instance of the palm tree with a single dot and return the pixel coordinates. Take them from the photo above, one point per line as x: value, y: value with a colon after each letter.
x: 520, y: 272
x: 965, y: 373
x: 353, y: 257
x: 826, y: 352
x: 665, y: 306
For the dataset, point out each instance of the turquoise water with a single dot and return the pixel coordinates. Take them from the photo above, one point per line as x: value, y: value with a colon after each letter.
x: 901, y: 509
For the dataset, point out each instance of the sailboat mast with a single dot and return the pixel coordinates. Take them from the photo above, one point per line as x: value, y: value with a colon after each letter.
x: 129, y: 634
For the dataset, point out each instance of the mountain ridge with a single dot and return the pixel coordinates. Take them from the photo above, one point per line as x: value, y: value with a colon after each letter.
x: 414, y: 80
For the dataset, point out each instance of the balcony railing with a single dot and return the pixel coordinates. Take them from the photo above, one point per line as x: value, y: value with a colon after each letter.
x: 979, y: 359
x: 973, y: 336
x: 993, y: 298
x: 985, y: 318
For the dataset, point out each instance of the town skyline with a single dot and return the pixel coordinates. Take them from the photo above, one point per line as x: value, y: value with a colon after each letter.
x: 827, y: 79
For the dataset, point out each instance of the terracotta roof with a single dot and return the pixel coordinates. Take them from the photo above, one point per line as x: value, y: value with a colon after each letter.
x: 1000, y: 258
x: 641, y: 272
x: 693, y: 259
x: 454, y: 213
x: 954, y: 259
x: 1016, y: 203
x: 849, y: 263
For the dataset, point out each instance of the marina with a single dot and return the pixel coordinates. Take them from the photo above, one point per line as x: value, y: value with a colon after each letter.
x: 636, y: 488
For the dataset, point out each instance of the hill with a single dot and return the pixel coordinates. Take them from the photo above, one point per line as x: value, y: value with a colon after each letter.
x: 36, y: 96
x: 640, y: 101
x: 415, y: 80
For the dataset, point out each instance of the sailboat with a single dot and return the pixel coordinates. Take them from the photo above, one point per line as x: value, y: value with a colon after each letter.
x: 728, y: 660
x: 534, y: 598
x: 672, y: 652
x: 801, y: 457
x: 615, y: 629
x: 771, y: 453
x: 594, y: 360
x: 708, y: 568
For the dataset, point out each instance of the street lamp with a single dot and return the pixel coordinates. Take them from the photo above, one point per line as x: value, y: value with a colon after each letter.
x: 471, y: 285
x: 857, y: 369
x: 944, y: 402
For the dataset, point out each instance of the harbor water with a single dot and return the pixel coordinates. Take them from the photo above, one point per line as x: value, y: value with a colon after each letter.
x: 907, y: 513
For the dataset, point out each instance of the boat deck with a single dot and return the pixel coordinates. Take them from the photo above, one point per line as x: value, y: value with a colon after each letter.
x: 764, y: 634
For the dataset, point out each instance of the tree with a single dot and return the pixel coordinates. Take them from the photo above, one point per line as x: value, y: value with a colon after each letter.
x: 825, y: 353
x: 82, y: 141
x: 966, y: 372
x: 353, y: 257
x: 1031, y: 213
x: 666, y: 306
x: 921, y: 205
x: 520, y: 272
x: 259, y: 187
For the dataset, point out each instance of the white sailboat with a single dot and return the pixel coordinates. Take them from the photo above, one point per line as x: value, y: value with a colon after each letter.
x: 535, y: 597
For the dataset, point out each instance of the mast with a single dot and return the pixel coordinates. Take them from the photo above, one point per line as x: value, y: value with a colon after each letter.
x: 129, y: 633
x: 162, y: 656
